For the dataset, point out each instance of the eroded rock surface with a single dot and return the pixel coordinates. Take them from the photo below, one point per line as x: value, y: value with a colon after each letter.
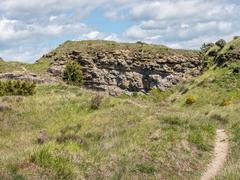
x: 123, y: 70
x: 27, y: 77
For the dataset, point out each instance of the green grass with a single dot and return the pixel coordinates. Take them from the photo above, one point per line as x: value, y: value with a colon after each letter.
x: 93, y: 46
x: 39, y: 68
x: 157, y: 136
x: 122, y: 139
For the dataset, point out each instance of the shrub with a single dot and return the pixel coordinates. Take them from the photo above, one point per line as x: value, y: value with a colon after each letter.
x: 70, y: 137
x: 69, y: 133
x: 96, y: 101
x: 14, y: 172
x: 73, y: 74
x: 226, y: 102
x: 205, y: 47
x: 190, y: 100
x: 220, y: 118
x: 60, y: 165
x: 221, y: 43
x: 17, y: 87
x: 159, y: 95
x: 236, y: 37
x: 146, y: 168
x: 183, y: 89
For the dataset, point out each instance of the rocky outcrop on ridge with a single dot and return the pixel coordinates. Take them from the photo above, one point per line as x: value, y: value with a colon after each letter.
x: 117, y: 70
x: 27, y: 77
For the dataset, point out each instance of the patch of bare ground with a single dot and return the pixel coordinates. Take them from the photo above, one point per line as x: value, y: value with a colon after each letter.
x: 220, y: 154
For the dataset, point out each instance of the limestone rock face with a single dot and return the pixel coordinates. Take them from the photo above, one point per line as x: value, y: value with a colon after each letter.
x: 130, y: 70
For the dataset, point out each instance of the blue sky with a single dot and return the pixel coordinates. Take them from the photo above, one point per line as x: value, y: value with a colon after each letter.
x: 29, y: 29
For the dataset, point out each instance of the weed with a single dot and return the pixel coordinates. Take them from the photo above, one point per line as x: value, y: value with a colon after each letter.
x: 60, y: 165
x: 226, y: 102
x: 145, y: 168
x: 220, y: 118
x: 14, y: 172
x: 184, y: 90
x: 96, y: 101
x: 70, y: 137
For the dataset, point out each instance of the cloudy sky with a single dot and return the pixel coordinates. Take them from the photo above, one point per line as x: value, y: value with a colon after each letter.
x: 30, y: 28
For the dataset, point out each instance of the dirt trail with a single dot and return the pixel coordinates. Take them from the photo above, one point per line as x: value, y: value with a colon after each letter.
x: 220, y: 154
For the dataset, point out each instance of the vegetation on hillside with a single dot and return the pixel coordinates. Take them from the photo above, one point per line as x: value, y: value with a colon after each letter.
x: 13, y: 88
x: 73, y: 74
x: 106, y: 46
x: 38, y: 68
x: 126, y: 138
x: 163, y: 135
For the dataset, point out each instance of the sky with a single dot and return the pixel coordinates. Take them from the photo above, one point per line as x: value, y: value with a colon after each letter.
x: 31, y: 28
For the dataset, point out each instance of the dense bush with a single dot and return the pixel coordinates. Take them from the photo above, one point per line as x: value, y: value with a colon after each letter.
x: 73, y: 74
x: 16, y: 87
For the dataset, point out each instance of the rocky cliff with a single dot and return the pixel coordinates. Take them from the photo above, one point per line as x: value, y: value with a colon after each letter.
x: 117, y: 67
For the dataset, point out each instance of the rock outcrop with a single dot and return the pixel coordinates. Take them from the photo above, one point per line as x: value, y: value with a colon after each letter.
x: 124, y: 69
x: 27, y: 77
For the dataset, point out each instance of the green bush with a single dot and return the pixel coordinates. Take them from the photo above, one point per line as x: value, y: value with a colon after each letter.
x: 190, y: 100
x: 16, y: 87
x: 73, y: 74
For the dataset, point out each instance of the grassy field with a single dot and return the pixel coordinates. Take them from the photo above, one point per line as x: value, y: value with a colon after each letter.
x: 66, y: 132
x: 126, y: 138
x: 38, y: 68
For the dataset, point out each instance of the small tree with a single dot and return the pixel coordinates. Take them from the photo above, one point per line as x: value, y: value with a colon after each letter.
x: 73, y: 74
x: 205, y: 47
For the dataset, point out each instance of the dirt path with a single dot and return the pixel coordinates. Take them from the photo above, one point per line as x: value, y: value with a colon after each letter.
x: 220, y: 154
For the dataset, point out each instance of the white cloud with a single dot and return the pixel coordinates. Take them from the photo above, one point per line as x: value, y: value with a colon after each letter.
x: 29, y: 28
x: 184, y: 23
x: 95, y: 35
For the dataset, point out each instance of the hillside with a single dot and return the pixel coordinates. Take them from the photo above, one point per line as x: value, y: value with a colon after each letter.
x: 67, y: 132
x: 124, y: 67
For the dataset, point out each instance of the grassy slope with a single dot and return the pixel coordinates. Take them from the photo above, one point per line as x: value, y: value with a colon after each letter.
x: 85, y: 46
x: 142, y: 137
x: 218, y: 87
x: 126, y: 138
x: 39, y: 68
